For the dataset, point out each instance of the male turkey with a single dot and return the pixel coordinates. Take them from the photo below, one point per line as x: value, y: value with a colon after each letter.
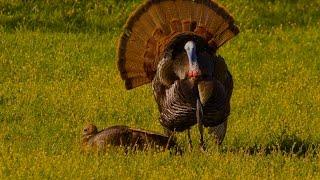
x: 173, y: 44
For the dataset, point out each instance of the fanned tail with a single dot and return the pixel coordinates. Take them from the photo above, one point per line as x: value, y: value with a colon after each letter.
x: 156, y: 23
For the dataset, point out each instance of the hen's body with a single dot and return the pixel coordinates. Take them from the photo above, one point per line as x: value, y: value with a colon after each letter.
x: 126, y: 137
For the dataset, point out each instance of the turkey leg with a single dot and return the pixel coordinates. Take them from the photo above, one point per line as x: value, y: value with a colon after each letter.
x: 199, y: 115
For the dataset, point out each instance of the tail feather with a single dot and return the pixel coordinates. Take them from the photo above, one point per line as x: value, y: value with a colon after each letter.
x: 156, y: 23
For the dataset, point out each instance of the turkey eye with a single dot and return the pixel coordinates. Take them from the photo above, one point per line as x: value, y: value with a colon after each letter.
x: 85, y: 130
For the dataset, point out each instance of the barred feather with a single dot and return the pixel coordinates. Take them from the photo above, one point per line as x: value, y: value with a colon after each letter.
x: 177, y: 102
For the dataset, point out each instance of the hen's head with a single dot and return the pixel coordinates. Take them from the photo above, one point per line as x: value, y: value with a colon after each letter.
x: 90, y: 129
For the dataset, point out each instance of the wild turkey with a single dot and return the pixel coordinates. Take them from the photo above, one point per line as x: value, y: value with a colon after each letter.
x: 173, y: 44
x: 135, y: 139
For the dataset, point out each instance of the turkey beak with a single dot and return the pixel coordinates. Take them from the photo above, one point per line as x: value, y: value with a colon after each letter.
x: 194, y: 70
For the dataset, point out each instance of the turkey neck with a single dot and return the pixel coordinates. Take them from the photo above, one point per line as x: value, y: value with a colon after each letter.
x: 85, y: 139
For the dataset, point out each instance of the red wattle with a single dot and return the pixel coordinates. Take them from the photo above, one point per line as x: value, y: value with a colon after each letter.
x: 193, y: 73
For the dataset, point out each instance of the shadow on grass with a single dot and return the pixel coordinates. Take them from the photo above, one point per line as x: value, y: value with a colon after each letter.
x: 272, y: 13
x: 105, y: 16
x: 286, y: 145
x: 66, y: 16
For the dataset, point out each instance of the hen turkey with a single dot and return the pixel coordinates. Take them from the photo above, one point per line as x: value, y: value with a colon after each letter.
x: 173, y: 44
x: 135, y: 139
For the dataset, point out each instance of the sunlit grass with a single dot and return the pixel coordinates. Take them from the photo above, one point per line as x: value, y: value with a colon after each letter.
x: 53, y: 83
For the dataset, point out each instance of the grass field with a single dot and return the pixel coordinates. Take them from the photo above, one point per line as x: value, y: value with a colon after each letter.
x: 58, y: 72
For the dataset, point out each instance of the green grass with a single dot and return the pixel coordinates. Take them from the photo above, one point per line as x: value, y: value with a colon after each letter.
x: 58, y: 73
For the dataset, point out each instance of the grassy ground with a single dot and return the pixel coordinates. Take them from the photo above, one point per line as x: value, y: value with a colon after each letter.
x: 58, y: 72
